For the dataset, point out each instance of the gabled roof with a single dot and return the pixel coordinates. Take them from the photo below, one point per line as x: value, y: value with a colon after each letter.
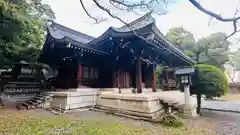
x: 143, y: 26
x: 59, y: 31
x: 77, y: 39
x: 137, y: 24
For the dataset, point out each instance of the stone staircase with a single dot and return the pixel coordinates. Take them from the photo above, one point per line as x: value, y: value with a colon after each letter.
x: 41, y: 100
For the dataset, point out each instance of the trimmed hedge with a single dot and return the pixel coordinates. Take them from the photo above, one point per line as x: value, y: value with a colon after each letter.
x: 211, y: 81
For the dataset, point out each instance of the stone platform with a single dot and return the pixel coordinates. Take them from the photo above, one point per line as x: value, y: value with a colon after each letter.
x: 74, y: 99
x: 147, y: 105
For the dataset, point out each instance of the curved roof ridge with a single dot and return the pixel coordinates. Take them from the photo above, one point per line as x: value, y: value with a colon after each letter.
x: 138, y: 23
x: 58, y: 30
x: 138, y: 20
x: 62, y: 27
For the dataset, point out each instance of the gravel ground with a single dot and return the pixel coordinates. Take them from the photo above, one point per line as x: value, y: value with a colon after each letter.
x: 223, y: 123
x: 226, y: 123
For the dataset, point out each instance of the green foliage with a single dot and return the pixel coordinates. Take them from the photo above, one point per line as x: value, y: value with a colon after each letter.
x: 211, y: 81
x: 215, y: 40
x: 171, y: 121
x: 40, y: 10
x: 180, y: 37
x: 214, y: 49
x: 21, y: 34
x: 158, y: 73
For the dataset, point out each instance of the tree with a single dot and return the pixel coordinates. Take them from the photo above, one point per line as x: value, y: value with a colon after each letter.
x: 210, y: 81
x: 214, y: 49
x: 180, y: 37
x: 158, y: 71
x: 21, y: 34
x: 40, y: 10
x: 154, y: 6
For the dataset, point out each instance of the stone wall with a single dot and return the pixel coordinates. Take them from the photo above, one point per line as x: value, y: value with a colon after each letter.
x: 69, y: 100
x: 142, y: 106
x: 146, y: 105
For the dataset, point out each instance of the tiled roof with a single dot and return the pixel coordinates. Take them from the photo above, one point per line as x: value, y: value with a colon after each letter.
x: 182, y: 71
x: 59, y: 31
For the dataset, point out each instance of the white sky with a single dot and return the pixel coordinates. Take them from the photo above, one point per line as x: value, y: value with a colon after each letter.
x: 71, y: 14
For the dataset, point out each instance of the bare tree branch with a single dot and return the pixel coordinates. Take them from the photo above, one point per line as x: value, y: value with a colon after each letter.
x: 237, y: 11
x: 218, y: 17
x: 89, y: 15
x: 234, y: 30
x: 131, y: 6
x: 140, y: 5
x: 119, y: 8
x: 210, y: 20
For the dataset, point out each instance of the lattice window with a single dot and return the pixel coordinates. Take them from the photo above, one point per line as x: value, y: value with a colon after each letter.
x: 95, y: 74
x: 85, y: 72
x: 92, y: 73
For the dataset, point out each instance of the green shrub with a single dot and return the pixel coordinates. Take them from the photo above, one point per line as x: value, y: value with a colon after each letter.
x: 171, y: 121
x: 211, y: 81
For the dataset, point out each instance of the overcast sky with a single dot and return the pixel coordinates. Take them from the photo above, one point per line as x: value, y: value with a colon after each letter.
x: 182, y: 13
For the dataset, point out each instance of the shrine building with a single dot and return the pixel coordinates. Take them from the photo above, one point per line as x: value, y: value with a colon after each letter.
x: 124, y: 57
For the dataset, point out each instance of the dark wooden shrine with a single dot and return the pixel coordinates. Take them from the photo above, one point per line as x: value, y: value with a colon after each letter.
x: 168, y: 79
x: 119, y: 58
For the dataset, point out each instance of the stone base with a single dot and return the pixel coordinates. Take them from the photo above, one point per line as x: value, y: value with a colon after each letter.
x: 135, y: 105
x: 130, y: 114
x: 189, y: 111
x: 147, y: 106
x: 70, y: 100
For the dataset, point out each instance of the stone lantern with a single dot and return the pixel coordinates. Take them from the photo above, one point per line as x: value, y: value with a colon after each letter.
x: 184, y: 76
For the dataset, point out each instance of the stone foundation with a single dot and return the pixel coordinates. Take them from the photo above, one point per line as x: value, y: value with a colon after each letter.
x: 141, y: 105
x: 70, y: 100
x: 147, y: 106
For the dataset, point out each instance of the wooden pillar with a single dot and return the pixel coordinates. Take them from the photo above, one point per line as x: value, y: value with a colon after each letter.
x: 79, y: 75
x: 139, y: 75
x: 118, y: 79
x: 166, y: 80
x: 114, y: 79
x: 154, y: 89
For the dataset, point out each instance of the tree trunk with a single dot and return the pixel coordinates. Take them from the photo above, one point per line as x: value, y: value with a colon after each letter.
x: 199, y: 96
x: 198, y: 93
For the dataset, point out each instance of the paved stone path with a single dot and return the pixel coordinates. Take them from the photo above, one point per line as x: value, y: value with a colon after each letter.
x: 233, y: 106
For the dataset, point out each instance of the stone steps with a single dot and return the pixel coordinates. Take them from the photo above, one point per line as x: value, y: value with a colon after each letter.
x: 35, y: 102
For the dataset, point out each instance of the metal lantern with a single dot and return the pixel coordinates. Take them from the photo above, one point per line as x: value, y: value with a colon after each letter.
x: 184, y: 75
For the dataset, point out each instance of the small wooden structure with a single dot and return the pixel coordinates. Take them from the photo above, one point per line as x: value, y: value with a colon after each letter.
x: 168, y: 79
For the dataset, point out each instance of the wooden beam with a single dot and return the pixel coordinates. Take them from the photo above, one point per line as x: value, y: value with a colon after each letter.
x: 154, y: 88
x: 139, y: 74
x: 79, y: 75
